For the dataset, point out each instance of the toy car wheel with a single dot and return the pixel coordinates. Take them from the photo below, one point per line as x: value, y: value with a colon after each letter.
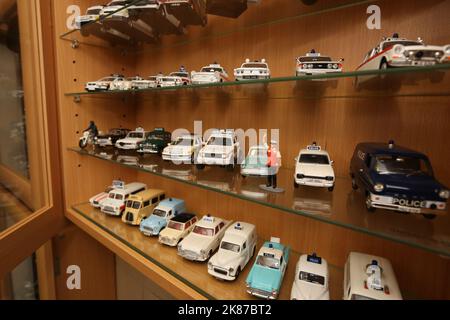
x: 384, y: 65
x: 331, y: 189
x: 243, y: 176
x: 354, y: 185
x: 221, y: 80
x: 200, y: 166
x: 429, y: 216
x: 369, y: 206
x: 238, y: 271
x: 296, y: 185
x: 82, y: 143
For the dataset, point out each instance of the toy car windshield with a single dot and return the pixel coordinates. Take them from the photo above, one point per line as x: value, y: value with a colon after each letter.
x: 401, y: 165
x: 389, y: 44
x: 211, y: 69
x: 156, y: 137
x: 230, y: 246
x: 204, y: 231
x: 107, y: 79
x: 180, y: 74
x: 221, y: 142
x: 254, y: 65
x: 134, y: 204
x: 312, y: 278
x: 184, y: 142
x: 159, y: 213
x: 135, y: 135
x: 175, y: 225
x: 268, y: 262
x: 314, y: 158
x: 115, y: 196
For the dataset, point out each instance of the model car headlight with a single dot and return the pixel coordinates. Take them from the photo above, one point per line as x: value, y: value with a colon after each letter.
x: 335, y: 66
x: 304, y: 66
x: 224, y: 156
x: 210, y: 265
x: 310, y: 66
x: 329, y: 178
x: 230, y: 269
x: 300, y: 176
x: 109, y: 139
x: 398, y: 49
x: 330, y: 66
x: 444, y: 194
x: 378, y: 187
x: 274, y: 293
x: 447, y: 50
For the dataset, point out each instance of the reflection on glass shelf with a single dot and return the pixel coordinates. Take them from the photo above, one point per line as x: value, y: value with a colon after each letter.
x: 410, y: 81
x: 342, y: 207
x: 100, y: 34
x: 195, y: 274
x: 12, y: 210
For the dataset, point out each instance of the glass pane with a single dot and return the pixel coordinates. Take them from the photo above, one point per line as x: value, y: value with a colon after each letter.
x: 21, y: 283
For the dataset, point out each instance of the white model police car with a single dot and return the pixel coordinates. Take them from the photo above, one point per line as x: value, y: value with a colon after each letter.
x: 401, y: 52
x: 252, y: 70
x: 178, y: 78
x: 204, y: 239
x: 369, y: 277
x: 92, y: 14
x: 311, y: 279
x: 314, y: 168
x: 104, y: 84
x: 314, y: 63
x: 236, y: 249
x: 184, y: 149
x: 222, y: 149
x: 132, y: 140
x: 209, y: 74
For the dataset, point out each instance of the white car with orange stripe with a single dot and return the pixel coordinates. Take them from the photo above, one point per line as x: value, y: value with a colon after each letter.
x: 400, y: 52
x: 210, y: 74
x: 97, y: 200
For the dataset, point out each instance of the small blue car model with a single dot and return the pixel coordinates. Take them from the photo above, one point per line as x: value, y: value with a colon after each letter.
x: 166, y: 210
x: 397, y: 178
x: 266, y: 276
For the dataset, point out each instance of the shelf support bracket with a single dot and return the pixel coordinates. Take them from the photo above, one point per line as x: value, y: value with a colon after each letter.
x: 75, y: 44
x: 77, y: 98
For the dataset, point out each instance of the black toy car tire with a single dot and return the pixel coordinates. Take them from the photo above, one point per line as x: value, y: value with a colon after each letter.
x: 296, y: 185
x: 429, y: 216
x: 200, y: 166
x: 331, y: 189
x: 82, y: 144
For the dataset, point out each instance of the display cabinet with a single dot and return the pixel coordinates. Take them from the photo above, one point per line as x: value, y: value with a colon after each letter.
x: 409, y: 105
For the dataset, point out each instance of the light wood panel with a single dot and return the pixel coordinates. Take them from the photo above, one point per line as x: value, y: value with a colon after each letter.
x: 417, y: 122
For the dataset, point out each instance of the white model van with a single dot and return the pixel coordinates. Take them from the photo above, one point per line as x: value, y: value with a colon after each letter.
x: 115, y: 203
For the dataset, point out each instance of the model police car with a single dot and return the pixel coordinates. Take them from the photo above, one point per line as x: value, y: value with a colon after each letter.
x: 266, y: 276
x: 222, y: 149
x: 156, y: 141
x: 236, y: 249
x: 314, y: 168
x: 204, y: 239
x: 184, y: 149
x: 314, y: 63
x: 132, y: 140
x: 110, y: 138
x: 174, y: 79
x: 396, y: 178
x: 209, y: 74
x: 369, y: 277
x: 104, y: 84
x: 177, y: 229
x: 166, y: 210
x: 401, y: 52
x: 92, y: 14
x: 255, y: 164
x: 252, y: 70
x: 311, y: 279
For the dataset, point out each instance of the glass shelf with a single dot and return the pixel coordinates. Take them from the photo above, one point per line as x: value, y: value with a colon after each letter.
x: 296, y: 11
x: 343, y: 207
x: 195, y: 274
x: 398, y: 82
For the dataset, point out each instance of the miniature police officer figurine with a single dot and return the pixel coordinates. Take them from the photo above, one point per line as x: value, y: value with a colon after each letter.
x: 92, y: 129
x: 273, y: 163
x: 182, y: 69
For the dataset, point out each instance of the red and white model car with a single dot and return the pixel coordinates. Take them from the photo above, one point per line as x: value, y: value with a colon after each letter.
x: 401, y: 52
x: 314, y: 63
x: 210, y: 74
x: 252, y: 70
x: 178, y: 78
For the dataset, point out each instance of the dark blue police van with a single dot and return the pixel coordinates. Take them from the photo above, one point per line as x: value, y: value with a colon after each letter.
x: 397, y: 178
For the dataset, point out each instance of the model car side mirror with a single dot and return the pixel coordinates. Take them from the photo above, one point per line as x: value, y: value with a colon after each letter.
x: 296, y: 159
x: 332, y: 162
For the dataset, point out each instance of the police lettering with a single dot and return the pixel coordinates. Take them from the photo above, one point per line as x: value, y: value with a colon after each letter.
x: 409, y: 203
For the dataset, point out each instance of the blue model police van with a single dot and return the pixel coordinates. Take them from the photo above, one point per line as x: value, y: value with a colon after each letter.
x: 397, y: 178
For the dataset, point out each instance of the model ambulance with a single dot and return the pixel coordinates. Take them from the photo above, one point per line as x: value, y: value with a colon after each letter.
x: 178, y: 78
x: 177, y: 229
x: 266, y: 276
x: 104, y: 84
x: 314, y: 168
x: 236, y: 249
x: 252, y: 70
x: 114, y: 204
x: 401, y: 52
x: 184, y: 149
x: 166, y: 210
x: 222, y: 149
x: 132, y: 140
x: 369, y: 277
x: 311, y: 279
x: 204, y: 239
x: 140, y: 205
x: 209, y: 74
x: 314, y: 63
x: 97, y: 200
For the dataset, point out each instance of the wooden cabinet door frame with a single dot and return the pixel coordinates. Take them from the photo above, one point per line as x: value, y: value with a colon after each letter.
x: 37, y: 56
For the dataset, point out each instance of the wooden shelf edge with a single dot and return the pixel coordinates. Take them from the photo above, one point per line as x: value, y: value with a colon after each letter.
x: 161, y: 277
